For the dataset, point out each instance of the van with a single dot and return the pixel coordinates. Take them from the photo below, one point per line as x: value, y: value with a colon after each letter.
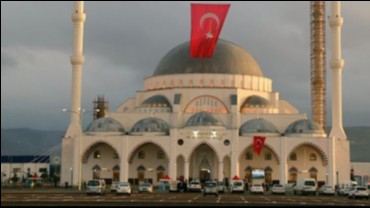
x: 305, y: 186
x: 95, y: 186
x: 237, y: 186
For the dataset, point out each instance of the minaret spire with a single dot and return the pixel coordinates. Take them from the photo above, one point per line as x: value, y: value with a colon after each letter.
x: 77, y: 60
x: 336, y: 65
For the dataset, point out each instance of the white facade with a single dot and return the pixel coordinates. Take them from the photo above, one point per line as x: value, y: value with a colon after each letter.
x: 22, y: 168
x: 196, y: 118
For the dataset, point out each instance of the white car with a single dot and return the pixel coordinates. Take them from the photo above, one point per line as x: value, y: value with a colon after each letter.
x: 358, y: 192
x: 95, y: 186
x: 145, y: 187
x: 123, y: 188
x: 221, y: 187
x: 257, y: 188
x: 326, y: 190
x: 278, y: 189
x: 210, y: 188
x: 113, y: 187
x: 195, y: 186
x: 237, y: 186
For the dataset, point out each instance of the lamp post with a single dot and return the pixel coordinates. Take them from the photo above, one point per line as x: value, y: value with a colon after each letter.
x: 71, y: 169
x: 80, y: 114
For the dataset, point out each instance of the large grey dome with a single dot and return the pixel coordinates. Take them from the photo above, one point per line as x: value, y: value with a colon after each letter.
x: 258, y: 125
x: 304, y: 126
x: 150, y: 125
x: 203, y: 119
x: 228, y: 58
x: 105, y: 125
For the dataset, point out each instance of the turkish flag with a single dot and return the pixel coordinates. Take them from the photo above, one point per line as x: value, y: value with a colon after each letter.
x: 206, y: 24
x: 258, y: 142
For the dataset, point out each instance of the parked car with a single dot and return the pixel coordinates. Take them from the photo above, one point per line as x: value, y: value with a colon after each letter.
x: 237, y: 186
x: 305, y: 186
x: 210, y: 188
x: 95, y: 186
x: 326, y: 190
x: 113, y: 187
x: 257, y: 189
x: 221, y: 187
x: 358, y: 192
x: 123, y: 188
x: 145, y: 187
x: 195, y: 186
x: 278, y: 189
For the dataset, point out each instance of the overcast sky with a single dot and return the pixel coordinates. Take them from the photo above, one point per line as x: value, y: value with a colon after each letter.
x: 124, y: 41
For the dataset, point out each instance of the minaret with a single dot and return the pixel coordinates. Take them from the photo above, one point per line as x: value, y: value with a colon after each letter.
x: 318, y: 63
x: 77, y: 60
x: 336, y: 65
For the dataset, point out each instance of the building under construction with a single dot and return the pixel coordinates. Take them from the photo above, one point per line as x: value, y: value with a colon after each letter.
x: 318, y: 61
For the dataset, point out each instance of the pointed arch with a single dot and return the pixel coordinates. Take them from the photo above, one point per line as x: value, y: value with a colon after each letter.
x: 89, y: 149
x: 293, y: 170
x: 206, y: 103
x: 115, y: 168
x: 205, y: 143
x: 133, y: 150
x: 96, y: 168
x: 321, y: 152
x: 269, y: 147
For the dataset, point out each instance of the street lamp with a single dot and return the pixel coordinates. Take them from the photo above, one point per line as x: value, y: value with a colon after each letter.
x: 80, y: 114
x: 71, y: 169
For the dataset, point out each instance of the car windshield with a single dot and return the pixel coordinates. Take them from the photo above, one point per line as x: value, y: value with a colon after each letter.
x: 210, y: 184
x: 123, y: 184
x: 237, y: 183
x: 309, y: 183
x: 93, y: 183
x: 278, y: 185
x: 146, y: 184
x: 361, y: 188
x: 257, y: 185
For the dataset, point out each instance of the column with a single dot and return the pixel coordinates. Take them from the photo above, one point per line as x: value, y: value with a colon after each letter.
x: 186, y: 174
x: 220, y: 171
x: 283, y: 161
x: 331, y: 173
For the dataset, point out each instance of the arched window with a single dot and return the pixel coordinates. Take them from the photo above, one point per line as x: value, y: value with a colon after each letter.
x: 115, y: 155
x: 293, y: 156
x: 97, y: 154
x: 141, y: 154
x: 160, y: 155
x: 312, y: 157
x: 96, y: 171
x: 268, y: 156
x: 249, y: 156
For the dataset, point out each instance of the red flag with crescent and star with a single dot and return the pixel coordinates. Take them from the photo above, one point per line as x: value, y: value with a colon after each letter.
x: 258, y: 142
x: 206, y: 24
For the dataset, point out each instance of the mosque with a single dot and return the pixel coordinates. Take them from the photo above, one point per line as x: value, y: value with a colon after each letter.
x: 196, y: 119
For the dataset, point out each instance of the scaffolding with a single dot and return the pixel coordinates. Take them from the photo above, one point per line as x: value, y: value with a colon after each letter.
x: 318, y: 64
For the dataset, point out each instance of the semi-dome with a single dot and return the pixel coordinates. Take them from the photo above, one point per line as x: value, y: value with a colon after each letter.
x: 255, y: 101
x: 105, y: 124
x: 304, y: 126
x: 203, y: 119
x: 150, y: 125
x: 156, y: 101
x: 228, y: 58
x: 258, y: 125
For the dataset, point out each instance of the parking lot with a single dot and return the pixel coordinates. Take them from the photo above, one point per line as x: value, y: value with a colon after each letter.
x: 75, y: 198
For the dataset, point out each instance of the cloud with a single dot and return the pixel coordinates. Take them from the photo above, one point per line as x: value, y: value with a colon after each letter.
x: 124, y: 42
